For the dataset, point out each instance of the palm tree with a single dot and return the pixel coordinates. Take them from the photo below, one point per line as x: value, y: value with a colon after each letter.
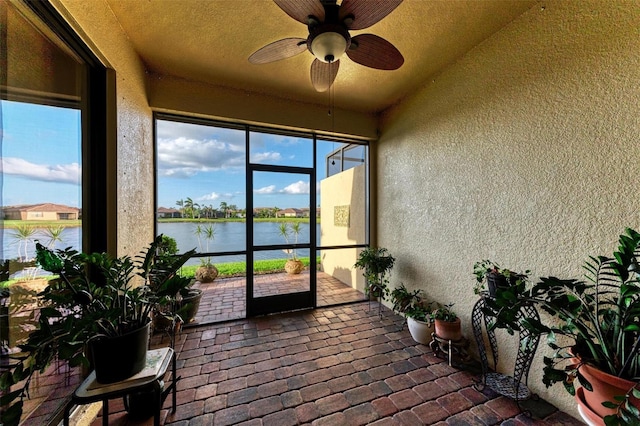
x: 233, y: 208
x: 53, y: 234
x: 23, y: 234
x: 224, y: 208
x: 180, y: 203
x: 190, y: 206
x: 207, y: 232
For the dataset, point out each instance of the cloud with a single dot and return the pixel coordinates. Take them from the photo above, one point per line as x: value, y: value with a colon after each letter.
x: 209, y: 197
x: 227, y: 196
x: 170, y: 130
x: 61, y: 173
x: 184, y: 157
x: 298, y: 188
x: 266, y: 190
x: 266, y: 157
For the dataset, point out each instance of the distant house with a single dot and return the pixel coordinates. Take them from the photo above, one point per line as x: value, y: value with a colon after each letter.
x: 168, y: 213
x: 290, y: 212
x: 45, y: 211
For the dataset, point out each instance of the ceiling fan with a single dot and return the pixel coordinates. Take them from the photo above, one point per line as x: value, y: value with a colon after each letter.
x: 329, y: 22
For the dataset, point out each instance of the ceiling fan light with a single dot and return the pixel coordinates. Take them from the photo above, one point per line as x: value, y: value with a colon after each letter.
x: 329, y: 46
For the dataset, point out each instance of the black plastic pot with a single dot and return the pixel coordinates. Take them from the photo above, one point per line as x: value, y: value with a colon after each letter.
x: 118, y: 358
x: 495, y: 281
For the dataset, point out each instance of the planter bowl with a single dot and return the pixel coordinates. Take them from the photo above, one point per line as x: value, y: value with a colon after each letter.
x: 206, y: 274
x: 190, y: 305
x: 293, y: 267
x: 420, y: 331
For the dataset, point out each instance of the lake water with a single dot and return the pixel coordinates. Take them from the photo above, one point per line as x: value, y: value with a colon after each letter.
x: 229, y: 236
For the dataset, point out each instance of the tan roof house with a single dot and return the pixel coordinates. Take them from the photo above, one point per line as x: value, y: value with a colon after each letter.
x: 44, y: 211
x: 290, y: 212
x: 168, y: 213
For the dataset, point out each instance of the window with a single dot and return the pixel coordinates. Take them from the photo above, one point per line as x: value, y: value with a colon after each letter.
x: 243, y: 183
x: 53, y: 166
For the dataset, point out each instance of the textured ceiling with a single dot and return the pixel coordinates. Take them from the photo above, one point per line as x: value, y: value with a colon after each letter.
x: 210, y: 41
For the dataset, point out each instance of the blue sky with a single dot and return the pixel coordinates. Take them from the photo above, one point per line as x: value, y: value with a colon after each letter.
x: 40, y: 154
x: 41, y: 161
x: 207, y: 164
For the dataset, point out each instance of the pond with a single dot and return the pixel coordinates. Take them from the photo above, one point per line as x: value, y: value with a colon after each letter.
x: 229, y: 236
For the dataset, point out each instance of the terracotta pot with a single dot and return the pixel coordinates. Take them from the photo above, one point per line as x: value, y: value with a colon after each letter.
x: 293, y: 267
x: 448, y: 330
x: 420, y: 331
x: 605, y: 387
x: 591, y: 418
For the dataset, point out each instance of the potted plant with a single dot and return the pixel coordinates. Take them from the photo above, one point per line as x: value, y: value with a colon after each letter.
x: 293, y: 265
x: 418, y: 313
x: 376, y: 264
x: 599, y: 321
x: 489, y: 272
x: 94, y: 312
x: 206, y: 272
x: 175, y: 298
x: 447, y: 323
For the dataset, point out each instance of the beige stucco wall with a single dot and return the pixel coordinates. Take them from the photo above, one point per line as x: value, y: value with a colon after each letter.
x: 95, y: 22
x: 343, y: 189
x: 175, y: 95
x: 524, y: 152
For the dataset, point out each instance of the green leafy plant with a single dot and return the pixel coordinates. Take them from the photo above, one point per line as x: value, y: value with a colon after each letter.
x: 599, y: 319
x: 487, y: 270
x: 444, y: 313
x: 95, y: 294
x: 208, y: 234
x: 24, y: 235
x: 411, y: 303
x: 290, y: 231
x: 376, y: 264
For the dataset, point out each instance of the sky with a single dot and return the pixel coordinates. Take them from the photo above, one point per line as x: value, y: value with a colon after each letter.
x: 41, y: 161
x: 207, y: 164
x: 40, y: 154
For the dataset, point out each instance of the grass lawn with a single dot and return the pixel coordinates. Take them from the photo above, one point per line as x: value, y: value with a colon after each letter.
x: 225, y: 270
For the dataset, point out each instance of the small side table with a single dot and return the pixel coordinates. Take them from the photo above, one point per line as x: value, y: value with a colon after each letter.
x: 450, y: 348
x: 92, y: 391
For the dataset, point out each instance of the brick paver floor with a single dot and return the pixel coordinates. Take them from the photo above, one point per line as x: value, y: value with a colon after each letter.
x: 224, y: 299
x: 332, y: 366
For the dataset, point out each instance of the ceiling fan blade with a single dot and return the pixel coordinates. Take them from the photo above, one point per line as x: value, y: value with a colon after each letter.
x: 281, y: 49
x: 373, y: 51
x: 323, y: 74
x: 301, y: 9
x: 366, y: 12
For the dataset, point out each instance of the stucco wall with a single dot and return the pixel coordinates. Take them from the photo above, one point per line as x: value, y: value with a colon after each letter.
x: 343, y: 189
x: 524, y: 152
x: 175, y: 95
x: 94, y: 21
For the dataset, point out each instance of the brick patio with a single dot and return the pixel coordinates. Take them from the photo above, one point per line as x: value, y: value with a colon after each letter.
x: 224, y: 299
x: 330, y: 366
